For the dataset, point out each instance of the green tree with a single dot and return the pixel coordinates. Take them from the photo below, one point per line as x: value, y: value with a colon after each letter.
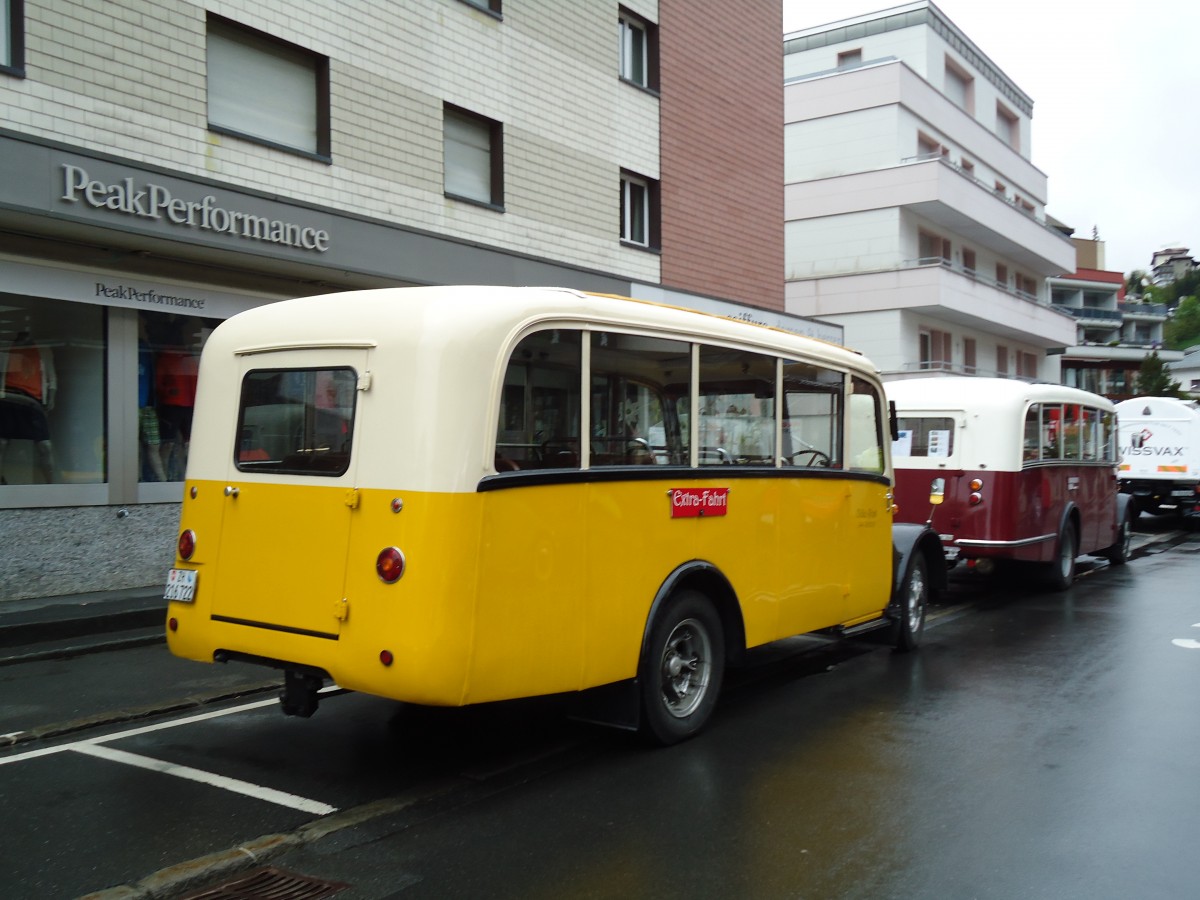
x: 1135, y: 283
x: 1183, y: 328
x: 1154, y: 380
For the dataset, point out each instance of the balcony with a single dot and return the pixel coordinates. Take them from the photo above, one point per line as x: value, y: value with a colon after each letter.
x: 1089, y: 315
x: 1145, y: 312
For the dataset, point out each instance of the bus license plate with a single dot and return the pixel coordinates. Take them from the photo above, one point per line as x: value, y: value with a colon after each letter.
x: 181, y: 585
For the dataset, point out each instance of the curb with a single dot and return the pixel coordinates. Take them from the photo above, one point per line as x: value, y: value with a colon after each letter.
x: 55, y: 618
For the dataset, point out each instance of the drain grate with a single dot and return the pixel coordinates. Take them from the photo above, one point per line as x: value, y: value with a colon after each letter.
x: 271, y: 884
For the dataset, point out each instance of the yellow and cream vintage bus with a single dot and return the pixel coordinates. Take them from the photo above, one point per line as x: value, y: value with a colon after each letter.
x: 454, y: 495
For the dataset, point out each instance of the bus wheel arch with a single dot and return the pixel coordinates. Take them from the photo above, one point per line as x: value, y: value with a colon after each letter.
x: 1118, y: 554
x: 693, y: 627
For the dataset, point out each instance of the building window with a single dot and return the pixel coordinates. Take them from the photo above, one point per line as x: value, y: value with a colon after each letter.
x: 932, y: 248
x: 12, y: 37
x: 1008, y: 127
x: 935, y: 349
x: 1002, y: 276
x: 1027, y: 365
x: 492, y: 6
x: 967, y: 167
x: 267, y: 90
x: 969, y: 355
x: 960, y: 87
x: 639, y: 210
x: 1026, y: 285
x: 638, y: 41
x: 849, y: 59
x: 474, y: 157
x: 969, y: 261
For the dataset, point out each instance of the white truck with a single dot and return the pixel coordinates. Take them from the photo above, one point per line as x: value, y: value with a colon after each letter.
x: 1160, y: 454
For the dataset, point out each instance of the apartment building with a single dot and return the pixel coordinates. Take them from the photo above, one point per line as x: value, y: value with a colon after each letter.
x: 1170, y: 264
x: 169, y: 163
x: 1113, y: 335
x: 914, y: 216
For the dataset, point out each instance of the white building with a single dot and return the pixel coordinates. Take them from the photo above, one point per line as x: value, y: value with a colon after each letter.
x: 914, y: 215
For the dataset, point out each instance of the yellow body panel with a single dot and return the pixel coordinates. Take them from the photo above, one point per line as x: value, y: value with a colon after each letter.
x: 515, y: 592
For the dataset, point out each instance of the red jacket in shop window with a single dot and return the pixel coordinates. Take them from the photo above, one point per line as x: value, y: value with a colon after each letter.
x: 175, y: 378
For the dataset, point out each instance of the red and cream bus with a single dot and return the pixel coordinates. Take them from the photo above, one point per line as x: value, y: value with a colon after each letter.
x: 456, y: 495
x: 1007, y: 470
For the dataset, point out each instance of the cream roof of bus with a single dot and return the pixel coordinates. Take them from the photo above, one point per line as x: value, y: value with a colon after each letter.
x: 990, y: 413
x: 481, y: 313
x: 453, y: 343
x: 978, y: 394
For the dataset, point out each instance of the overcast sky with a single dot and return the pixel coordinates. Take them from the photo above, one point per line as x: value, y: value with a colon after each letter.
x: 1116, y: 107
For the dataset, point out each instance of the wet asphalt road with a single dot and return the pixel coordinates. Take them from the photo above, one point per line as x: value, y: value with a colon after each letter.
x: 1039, y: 745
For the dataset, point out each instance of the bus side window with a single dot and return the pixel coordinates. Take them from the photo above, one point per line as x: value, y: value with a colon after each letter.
x: 538, y: 426
x: 633, y: 422
x: 1091, y: 433
x: 864, y: 450
x: 1072, y: 431
x: 1052, y: 420
x: 812, y: 415
x: 1032, y: 446
x: 737, y: 408
x: 1108, y: 424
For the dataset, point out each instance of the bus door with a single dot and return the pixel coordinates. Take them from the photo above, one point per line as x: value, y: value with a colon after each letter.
x: 290, y: 491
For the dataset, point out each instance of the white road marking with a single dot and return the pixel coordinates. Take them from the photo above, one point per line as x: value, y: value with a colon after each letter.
x: 245, y: 788
x: 131, y: 732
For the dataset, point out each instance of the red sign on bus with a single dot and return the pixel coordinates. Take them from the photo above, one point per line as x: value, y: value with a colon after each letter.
x: 692, y: 502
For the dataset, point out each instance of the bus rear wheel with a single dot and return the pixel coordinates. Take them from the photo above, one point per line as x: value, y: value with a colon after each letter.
x: 1118, y: 553
x: 1061, y: 570
x: 681, y: 669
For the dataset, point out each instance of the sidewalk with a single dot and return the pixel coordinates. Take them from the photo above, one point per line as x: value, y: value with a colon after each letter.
x: 40, y: 619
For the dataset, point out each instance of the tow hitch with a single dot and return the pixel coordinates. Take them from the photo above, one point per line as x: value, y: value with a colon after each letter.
x: 299, y: 694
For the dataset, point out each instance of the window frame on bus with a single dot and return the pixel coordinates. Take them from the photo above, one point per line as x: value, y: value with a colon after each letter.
x: 746, y: 394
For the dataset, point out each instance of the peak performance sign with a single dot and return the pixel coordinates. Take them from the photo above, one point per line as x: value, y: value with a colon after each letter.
x: 155, y: 201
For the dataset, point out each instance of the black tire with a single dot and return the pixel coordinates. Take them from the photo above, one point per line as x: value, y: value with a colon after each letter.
x: 681, y: 670
x: 1118, y: 553
x: 913, y: 602
x: 1061, y: 571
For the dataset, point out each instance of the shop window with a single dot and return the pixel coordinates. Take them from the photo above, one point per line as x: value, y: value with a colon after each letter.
x: 52, y: 390
x: 169, y: 348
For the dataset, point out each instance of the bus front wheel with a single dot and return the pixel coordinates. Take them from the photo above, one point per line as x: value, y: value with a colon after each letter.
x: 913, y: 606
x: 681, y: 669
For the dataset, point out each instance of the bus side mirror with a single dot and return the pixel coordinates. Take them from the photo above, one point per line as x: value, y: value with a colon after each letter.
x: 893, y: 422
x: 937, y: 491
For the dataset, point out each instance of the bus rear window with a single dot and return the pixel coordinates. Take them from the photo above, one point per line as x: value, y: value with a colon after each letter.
x: 924, y: 436
x: 296, y: 421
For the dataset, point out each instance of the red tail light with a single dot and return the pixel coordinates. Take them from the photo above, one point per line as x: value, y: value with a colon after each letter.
x: 389, y: 565
x: 187, y: 544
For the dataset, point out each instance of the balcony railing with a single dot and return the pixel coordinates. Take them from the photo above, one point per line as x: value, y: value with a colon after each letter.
x: 973, y: 274
x: 1145, y: 309
x: 1086, y: 312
